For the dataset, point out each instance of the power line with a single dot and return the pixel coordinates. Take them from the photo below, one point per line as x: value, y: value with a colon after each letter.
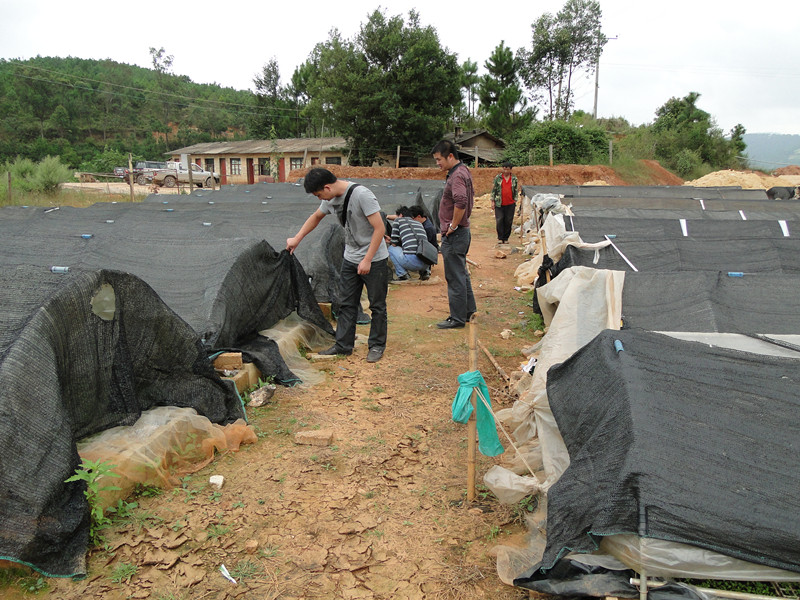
x: 765, y: 72
x: 766, y: 162
x: 191, y: 99
x: 189, y: 102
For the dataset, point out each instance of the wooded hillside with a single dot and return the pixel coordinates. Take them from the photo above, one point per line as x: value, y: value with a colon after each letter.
x: 74, y: 107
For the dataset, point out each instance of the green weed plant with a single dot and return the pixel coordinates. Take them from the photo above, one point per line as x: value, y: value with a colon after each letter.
x: 92, y: 472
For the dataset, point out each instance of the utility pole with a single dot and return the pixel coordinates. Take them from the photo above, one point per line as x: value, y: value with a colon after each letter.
x: 596, y: 87
x: 597, y: 79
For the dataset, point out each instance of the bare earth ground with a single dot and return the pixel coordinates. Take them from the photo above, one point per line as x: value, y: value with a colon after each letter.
x: 381, y: 513
x: 123, y: 189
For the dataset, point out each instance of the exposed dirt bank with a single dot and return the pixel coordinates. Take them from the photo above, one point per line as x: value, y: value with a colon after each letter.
x: 483, y: 177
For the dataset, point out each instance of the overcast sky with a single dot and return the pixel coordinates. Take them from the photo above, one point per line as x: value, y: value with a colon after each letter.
x: 743, y: 58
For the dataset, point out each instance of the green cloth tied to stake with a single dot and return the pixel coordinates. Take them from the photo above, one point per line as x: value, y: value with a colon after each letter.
x: 488, y: 440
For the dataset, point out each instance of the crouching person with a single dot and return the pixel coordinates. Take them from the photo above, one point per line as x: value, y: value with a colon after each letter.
x: 406, y: 232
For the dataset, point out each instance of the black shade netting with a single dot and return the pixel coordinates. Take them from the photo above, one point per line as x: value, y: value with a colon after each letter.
x: 276, y: 211
x: 79, y: 353
x: 226, y: 287
x: 742, y: 256
x: 753, y: 212
x: 762, y: 303
x: 593, y: 229
x: 678, y: 441
x: 648, y: 194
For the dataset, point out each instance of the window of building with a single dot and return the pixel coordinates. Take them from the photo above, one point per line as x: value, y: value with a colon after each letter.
x: 263, y: 166
x: 333, y: 160
x: 295, y: 163
x: 236, y: 166
x: 210, y: 165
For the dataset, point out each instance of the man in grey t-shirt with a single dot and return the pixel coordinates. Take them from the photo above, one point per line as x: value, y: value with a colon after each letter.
x: 365, y: 261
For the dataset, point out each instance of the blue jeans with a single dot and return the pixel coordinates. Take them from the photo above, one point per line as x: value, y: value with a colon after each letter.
x: 377, y: 283
x: 403, y: 263
x: 454, y: 250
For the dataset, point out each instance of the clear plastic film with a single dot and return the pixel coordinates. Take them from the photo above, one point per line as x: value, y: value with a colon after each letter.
x: 164, y: 444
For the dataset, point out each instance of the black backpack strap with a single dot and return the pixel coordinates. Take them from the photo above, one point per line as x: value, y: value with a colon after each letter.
x: 343, y: 217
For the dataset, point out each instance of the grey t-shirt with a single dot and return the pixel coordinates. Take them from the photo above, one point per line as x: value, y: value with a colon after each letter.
x: 358, y: 230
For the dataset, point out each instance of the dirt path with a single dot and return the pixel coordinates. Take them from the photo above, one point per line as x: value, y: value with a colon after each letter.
x: 380, y: 513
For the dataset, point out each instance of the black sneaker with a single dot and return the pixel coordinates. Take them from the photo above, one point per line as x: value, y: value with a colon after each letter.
x: 425, y: 275
x: 449, y: 323
x: 374, y: 354
x: 402, y: 278
x: 334, y: 350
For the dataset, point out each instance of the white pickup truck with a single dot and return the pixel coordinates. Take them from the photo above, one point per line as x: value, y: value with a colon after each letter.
x: 176, y: 172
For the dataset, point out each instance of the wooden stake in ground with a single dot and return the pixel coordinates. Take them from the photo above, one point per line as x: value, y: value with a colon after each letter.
x: 472, y: 436
x: 130, y: 175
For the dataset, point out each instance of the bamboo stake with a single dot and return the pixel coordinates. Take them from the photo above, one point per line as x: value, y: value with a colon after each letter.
x: 472, y: 436
x: 643, y: 585
x: 189, y: 164
x: 130, y: 174
x: 472, y: 262
x: 494, y: 362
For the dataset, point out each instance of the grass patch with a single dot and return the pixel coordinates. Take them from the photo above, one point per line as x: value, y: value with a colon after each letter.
x: 246, y: 569
x: 763, y: 588
x: 24, y: 579
x: 502, y: 352
x: 632, y: 170
x: 268, y: 552
x: 146, y: 491
x: 217, y: 530
x: 123, y: 572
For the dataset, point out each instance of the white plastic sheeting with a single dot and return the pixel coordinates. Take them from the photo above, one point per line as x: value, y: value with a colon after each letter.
x: 576, y: 306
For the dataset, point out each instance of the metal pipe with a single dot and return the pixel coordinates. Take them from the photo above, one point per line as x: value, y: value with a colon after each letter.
x: 710, y: 591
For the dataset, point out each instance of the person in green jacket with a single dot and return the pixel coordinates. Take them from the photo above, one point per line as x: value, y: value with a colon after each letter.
x: 505, y: 191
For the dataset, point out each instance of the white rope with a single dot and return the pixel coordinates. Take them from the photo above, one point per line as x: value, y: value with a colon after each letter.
x: 505, y: 433
x: 625, y: 258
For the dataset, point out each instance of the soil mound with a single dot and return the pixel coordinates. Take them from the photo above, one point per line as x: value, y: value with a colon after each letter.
x: 752, y: 180
x: 789, y: 170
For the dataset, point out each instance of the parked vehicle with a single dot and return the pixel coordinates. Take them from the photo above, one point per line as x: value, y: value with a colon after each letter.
x: 177, y: 172
x: 119, y: 171
x: 144, y: 170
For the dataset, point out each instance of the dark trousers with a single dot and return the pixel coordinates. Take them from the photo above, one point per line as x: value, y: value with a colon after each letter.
x: 504, y: 219
x: 454, y: 249
x: 377, y: 284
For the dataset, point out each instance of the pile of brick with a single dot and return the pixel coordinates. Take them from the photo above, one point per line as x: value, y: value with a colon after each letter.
x: 244, y: 375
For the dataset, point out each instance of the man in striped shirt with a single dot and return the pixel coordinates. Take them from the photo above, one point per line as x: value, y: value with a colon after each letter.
x: 403, y: 248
